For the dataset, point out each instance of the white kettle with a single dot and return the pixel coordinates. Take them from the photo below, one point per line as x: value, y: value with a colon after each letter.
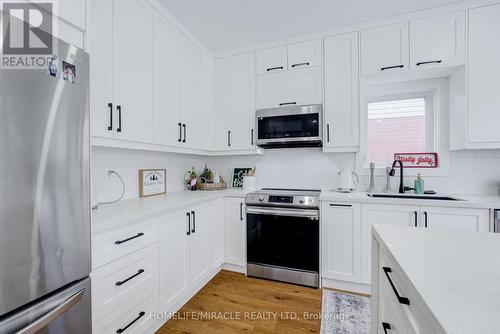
x: 348, y: 180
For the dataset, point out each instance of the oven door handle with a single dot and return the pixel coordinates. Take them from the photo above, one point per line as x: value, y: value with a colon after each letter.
x: 283, y: 212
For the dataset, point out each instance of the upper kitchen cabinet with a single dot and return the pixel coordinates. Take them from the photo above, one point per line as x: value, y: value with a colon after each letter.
x: 132, y: 70
x: 235, y: 102
x: 483, y: 112
x: 384, y: 49
x: 341, y: 110
x: 304, y: 54
x: 195, y: 126
x: 121, y: 69
x: 289, y: 57
x: 271, y: 60
x: 167, y: 126
x: 437, y: 41
x: 298, y: 87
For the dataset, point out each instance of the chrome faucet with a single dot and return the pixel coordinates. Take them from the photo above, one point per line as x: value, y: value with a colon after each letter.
x: 393, y: 172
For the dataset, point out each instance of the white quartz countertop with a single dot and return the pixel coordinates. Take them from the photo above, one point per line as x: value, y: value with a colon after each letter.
x: 466, y: 201
x: 457, y: 274
x: 109, y: 216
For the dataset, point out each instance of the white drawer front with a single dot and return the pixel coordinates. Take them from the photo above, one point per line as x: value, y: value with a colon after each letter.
x: 132, y: 317
x: 115, y: 283
x: 414, y: 317
x: 114, y: 244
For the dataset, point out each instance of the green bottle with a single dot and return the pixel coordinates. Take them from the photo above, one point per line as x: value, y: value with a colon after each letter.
x: 418, y: 184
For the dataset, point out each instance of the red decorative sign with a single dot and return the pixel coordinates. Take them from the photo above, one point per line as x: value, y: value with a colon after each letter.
x: 418, y: 160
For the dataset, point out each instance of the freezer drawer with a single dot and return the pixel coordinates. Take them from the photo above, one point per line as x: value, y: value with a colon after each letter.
x: 62, y: 312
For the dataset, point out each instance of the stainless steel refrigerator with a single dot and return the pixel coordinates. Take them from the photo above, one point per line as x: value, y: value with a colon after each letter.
x: 44, y: 197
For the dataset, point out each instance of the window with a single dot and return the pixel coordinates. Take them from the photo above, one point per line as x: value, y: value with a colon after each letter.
x: 403, y: 117
x: 395, y: 126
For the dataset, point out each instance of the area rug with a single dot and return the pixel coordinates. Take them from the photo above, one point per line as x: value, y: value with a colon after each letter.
x: 345, y: 314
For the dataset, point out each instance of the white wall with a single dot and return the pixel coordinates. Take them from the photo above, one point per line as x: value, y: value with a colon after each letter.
x: 471, y: 172
x: 128, y: 162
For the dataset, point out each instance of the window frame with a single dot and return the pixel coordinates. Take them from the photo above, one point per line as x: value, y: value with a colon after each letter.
x: 435, y: 92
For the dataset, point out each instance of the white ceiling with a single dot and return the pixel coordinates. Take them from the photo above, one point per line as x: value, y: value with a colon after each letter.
x: 229, y: 24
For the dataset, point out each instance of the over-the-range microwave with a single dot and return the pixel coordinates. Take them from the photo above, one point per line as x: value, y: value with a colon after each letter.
x: 291, y: 126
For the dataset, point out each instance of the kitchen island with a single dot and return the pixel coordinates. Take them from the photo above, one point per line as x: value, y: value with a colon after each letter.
x: 432, y: 281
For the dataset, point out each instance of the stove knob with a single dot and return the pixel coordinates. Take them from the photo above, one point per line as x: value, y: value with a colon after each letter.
x: 302, y: 201
x: 261, y: 198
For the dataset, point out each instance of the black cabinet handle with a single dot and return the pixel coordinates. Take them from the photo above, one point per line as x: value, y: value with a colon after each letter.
x: 185, y: 136
x: 140, y: 234
x: 301, y: 64
x: 131, y: 277
x: 241, y: 211
x: 180, y: 132
x: 425, y: 219
x: 341, y: 205
x: 251, y: 137
x: 119, y: 128
x: 194, y: 222
x: 391, y: 67
x: 121, y: 330
x: 386, y: 327
x: 430, y: 62
x: 415, y: 214
x: 189, y: 223
x: 229, y: 138
x: 287, y: 103
x: 274, y: 68
x: 328, y: 133
x: 110, y: 126
x: 402, y: 300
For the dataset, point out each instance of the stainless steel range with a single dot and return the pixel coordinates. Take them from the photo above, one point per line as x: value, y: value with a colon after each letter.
x: 283, y: 235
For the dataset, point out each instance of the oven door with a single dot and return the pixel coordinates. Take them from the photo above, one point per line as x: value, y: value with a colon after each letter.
x: 290, y: 125
x: 286, y: 238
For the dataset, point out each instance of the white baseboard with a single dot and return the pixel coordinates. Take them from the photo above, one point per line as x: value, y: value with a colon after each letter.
x: 345, y: 286
x: 235, y: 268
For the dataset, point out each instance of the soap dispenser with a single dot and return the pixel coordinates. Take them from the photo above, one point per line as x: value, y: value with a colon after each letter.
x: 418, y: 184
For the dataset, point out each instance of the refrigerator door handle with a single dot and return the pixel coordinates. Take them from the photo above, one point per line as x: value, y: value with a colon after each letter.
x: 37, y: 325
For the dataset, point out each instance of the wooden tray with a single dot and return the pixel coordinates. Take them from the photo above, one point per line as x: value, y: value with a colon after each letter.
x: 211, y: 186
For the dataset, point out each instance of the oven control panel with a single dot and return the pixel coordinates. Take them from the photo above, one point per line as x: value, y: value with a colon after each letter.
x: 282, y: 200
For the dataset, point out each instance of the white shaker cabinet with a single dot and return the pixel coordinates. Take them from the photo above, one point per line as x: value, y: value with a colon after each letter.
x: 398, y: 215
x: 217, y: 231
x: 437, y: 41
x: 132, y: 69
x: 235, y: 102
x: 200, y: 245
x: 174, y: 258
x: 384, y: 49
x: 464, y: 219
x: 121, y: 89
x: 271, y: 60
x: 341, y: 112
x: 235, y: 231
x: 483, y: 112
x: 341, y: 241
x: 304, y: 54
x: 167, y: 123
x: 298, y: 87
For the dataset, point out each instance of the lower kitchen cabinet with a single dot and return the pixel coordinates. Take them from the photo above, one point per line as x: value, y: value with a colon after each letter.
x: 235, y: 231
x: 473, y: 220
x: 199, y: 243
x: 217, y: 231
x: 402, y: 215
x: 341, y: 240
x: 185, y: 253
x: 174, y: 258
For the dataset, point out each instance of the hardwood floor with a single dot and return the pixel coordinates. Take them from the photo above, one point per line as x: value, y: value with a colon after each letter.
x: 248, y: 305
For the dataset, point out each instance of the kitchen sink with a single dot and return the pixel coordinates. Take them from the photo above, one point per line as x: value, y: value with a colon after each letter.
x: 410, y: 196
